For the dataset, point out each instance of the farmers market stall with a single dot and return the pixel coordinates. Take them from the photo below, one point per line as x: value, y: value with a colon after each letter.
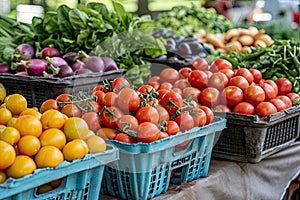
x: 268, y: 179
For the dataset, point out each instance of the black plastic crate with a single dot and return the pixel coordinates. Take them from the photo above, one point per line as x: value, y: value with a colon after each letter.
x: 249, y: 138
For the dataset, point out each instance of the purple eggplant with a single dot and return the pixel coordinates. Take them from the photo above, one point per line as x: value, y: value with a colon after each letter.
x: 94, y: 63
x: 65, y: 71
x: 83, y: 71
x: 23, y: 52
x: 109, y: 64
x: 71, y: 57
x: 77, y: 65
x: 56, y: 61
x: 36, y: 67
x: 4, y: 68
x: 49, y: 52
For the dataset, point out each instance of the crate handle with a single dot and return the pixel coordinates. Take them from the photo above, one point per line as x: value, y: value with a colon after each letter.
x: 292, y: 110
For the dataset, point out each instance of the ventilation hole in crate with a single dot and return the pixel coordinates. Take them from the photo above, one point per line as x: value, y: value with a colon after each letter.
x: 125, y: 180
x: 86, y: 191
x: 281, y: 133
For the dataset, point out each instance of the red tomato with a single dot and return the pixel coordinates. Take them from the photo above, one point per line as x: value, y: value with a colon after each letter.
x: 154, y: 79
x: 147, y: 114
x: 127, y: 121
x: 219, y: 64
x: 107, y: 133
x: 99, y: 94
x: 147, y: 132
x: 240, y: 82
x: 279, y: 104
x: 208, y: 73
x: 144, y: 89
x: 245, y: 73
x: 177, y: 90
x: 128, y: 100
x: 93, y: 121
x: 169, y: 75
x: 254, y: 94
x: 71, y: 110
x: 286, y: 100
x: 65, y: 97
x: 284, y: 86
x: 172, y: 101
x: 269, y: 91
x: 218, y: 80
x: 185, y: 121
x: 191, y: 92
x: 232, y: 95
x: 166, y: 85
x: 163, y: 113
x: 293, y: 96
x: 109, y: 99
x: 257, y: 75
x: 209, y: 114
x: 272, y: 83
x: 199, y: 117
x: 181, y: 84
x: 200, y: 64
x: 184, y: 72
x: 171, y: 127
x: 123, y: 137
x: 119, y: 83
x: 99, y: 88
x: 221, y: 108
x: 162, y: 92
x: 264, y: 109
x: 110, y: 116
x: 210, y: 96
x: 198, y: 79
x: 244, y: 108
x: 228, y: 72
x: 162, y: 135
x: 154, y: 84
x: 91, y: 106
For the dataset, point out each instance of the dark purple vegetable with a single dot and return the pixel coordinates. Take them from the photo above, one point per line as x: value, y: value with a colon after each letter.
x: 49, y: 52
x: 94, y: 63
x: 23, y: 52
x: 77, y: 65
x: 36, y: 67
x: 4, y: 68
x: 56, y: 61
x: 71, y: 57
x: 83, y: 71
x: 109, y: 64
x: 65, y: 71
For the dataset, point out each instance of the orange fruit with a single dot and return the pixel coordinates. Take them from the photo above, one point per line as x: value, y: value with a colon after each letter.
x: 44, y: 189
x: 71, y: 110
x: 48, y: 156
x: 31, y: 111
x: 75, y: 149
x: 7, y: 155
x: 22, y: 166
x: 2, y: 93
x: 49, y: 104
x: 5, y: 116
x: 52, y: 119
x: 76, y: 128
x: 12, y: 122
x: 3, y: 176
x: 16, y: 103
x: 29, y: 145
x: 29, y: 125
x: 10, y: 135
x: 54, y: 137
x: 95, y: 144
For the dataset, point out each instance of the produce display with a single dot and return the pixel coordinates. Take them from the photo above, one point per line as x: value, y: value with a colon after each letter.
x: 235, y: 40
x: 32, y: 138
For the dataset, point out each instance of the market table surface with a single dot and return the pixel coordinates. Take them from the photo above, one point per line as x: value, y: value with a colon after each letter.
x: 266, y: 180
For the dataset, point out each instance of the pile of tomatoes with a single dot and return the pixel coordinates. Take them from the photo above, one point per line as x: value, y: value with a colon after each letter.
x: 224, y: 89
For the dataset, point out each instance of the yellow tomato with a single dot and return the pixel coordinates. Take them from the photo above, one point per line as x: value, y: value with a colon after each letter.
x: 76, y: 128
x: 22, y: 166
x: 54, y: 137
x: 16, y: 103
x: 95, y: 144
x: 29, y: 145
x: 29, y: 125
x: 52, y: 119
x: 49, y: 156
x: 10, y: 135
x: 7, y: 155
x: 2, y: 93
x: 75, y: 149
x: 5, y: 116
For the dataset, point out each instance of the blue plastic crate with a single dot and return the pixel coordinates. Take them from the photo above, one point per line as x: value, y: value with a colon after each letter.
x: 144, y: 170
x: 81, y: 179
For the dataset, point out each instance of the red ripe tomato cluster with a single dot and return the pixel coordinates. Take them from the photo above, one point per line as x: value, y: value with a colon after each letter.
x: 224, y: 89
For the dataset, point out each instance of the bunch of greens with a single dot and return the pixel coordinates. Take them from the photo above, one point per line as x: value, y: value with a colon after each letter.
x: 188, y: 20
x: 280, y: 59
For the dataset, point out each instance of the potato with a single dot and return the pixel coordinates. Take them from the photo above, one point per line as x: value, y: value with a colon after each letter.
x: 265, y: 38
x: 215, y: 41
x: 246, y: 49
x: 233, y: 46
x: 246, y: 40
x: 259, y: 43
x: 253, y: 30
x: 231, y: 33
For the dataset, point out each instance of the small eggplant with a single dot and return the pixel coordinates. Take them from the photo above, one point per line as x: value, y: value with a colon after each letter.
x: 23, y: 52
x: 36, y: 67
x: 109, y: 64
x: 4, y: 68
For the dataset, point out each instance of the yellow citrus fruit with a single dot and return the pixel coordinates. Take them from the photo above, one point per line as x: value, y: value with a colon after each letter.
x: 12, y: 122
x: 56, y: 183
x: 16, y: 103
x: 3, y: 176
x: 29, y: 145
x: 2, y: 127
x: 5, y: 116
x: 29, y: 125
x: 95, y: 144
x: 22, y: 166
x: 76, y: 128
x: 49, y: 156
x: 53, y: 119
x: 75, y: 149
x: 2, y: 93
x: 31, y: 111
x: 10, y: 135
x: 54, y: 137
x: 44, y: 189
x: 7, y: 155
